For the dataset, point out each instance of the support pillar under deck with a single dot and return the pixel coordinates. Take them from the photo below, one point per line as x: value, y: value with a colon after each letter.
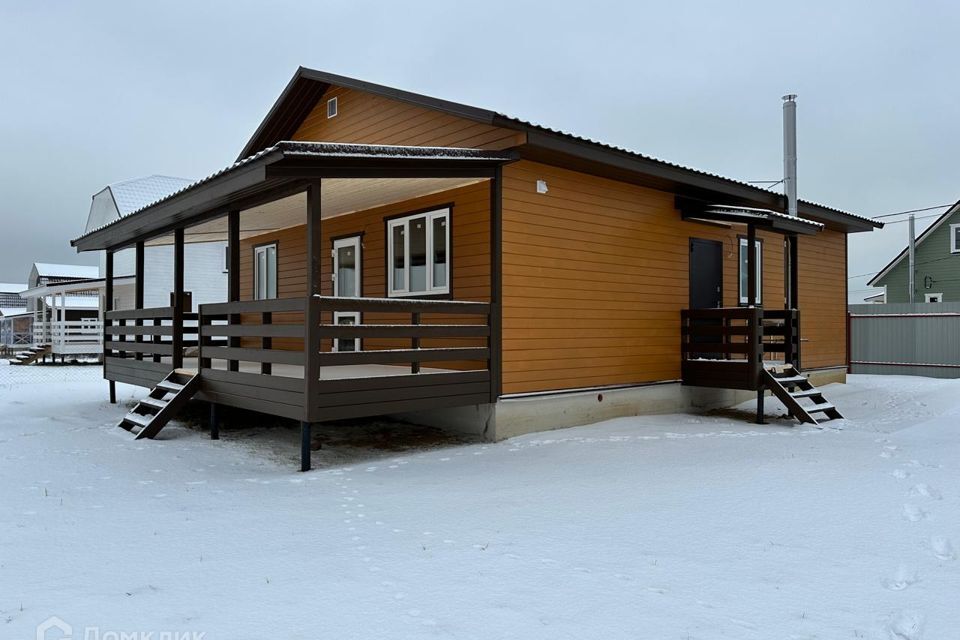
x: 305, y: 441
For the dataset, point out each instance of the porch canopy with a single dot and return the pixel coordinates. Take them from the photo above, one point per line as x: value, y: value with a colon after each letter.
x: 353, y: 177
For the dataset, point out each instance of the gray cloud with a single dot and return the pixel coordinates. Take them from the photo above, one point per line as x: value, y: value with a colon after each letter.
x: 96, y: 92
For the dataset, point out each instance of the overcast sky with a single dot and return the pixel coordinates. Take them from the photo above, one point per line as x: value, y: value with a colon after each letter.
x: 97, y: 92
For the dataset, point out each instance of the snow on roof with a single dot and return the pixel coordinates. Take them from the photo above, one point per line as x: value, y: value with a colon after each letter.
x: 9, y: 287
x: 52, y: 270
x: 14, y: 311
x: 74, y: 302
x: 136, y: 193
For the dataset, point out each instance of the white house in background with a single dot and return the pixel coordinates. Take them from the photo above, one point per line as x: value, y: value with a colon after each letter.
x: 206, y: 264
x: 64, y: 302
x: 15, y: 320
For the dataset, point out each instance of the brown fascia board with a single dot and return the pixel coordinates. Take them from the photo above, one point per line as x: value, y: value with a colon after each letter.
x: 599, y: 160
x: 551, y: 147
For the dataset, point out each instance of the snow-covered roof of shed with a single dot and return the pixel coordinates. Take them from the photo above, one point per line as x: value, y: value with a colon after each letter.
x: 10, y: 287
x: 78, y: 271
x: 136, y: 193
x: 290, y: 148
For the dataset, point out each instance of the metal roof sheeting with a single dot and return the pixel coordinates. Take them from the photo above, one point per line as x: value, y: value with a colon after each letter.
x: 134, y: 194
x: 51, y: 270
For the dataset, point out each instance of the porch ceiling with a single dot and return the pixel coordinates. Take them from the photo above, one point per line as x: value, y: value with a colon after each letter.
x: 285, y: 170
x: 340, y: 196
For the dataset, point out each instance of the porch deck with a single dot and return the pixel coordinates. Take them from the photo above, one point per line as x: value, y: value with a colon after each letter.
x: 278, y: 357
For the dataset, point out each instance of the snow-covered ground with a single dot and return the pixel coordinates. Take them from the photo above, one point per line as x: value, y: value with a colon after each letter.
x: 657, y: 527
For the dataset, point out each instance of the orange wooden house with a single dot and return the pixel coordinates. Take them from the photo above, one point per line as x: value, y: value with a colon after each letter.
x: 392, y: 253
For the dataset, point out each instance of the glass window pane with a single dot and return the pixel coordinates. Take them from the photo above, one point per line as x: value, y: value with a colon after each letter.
x: 272, y: 271
x: 261, y: 276
x: 743, y: 271
x: 347, y: 344
x: 418, y: 254
x: 347, y: 271
x: 439, y: 252
x: 399, y: 258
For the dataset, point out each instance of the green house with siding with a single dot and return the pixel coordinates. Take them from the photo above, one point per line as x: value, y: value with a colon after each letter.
x: 936, y: 265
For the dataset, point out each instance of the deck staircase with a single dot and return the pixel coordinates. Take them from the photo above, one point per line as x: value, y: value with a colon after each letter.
x: 790, y: 387
x: 31, y: 355
x: 163, y: 402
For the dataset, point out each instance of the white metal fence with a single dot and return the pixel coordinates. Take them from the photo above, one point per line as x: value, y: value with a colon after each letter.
x: 920, y: 339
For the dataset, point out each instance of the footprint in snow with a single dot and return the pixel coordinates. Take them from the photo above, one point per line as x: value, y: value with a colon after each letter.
x: 901, y: 579
x: 941, y: 548
x: 905, y: 625
x: 925, y: 491
x: 900, y: 474
x: 913, y: 513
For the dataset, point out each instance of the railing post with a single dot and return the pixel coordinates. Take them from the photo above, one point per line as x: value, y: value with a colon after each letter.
x: 266, y: 318
x: 107, y: 323
x: 797, y: 338
x: 138, y: 288
x: 415, y: 341
x: 312, y: 311
x: 233, y: 279
x: 177, y: 360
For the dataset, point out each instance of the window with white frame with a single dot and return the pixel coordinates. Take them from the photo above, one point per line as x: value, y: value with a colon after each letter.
x: 418, y: 254
x: 743, y: 271
x: 933, y: 297
x: 265, y: 272
x: 955, y: 238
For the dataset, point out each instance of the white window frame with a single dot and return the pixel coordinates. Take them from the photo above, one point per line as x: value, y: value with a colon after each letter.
x: 332, y: 108
x: 741, y: 294
x: 938, y: 296
x: 356, y: 243
x: 954, y: 245
x: 429, y: 217
x: 257, y: 293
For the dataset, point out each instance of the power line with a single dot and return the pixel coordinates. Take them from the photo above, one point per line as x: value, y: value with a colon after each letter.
x: 900, y: 213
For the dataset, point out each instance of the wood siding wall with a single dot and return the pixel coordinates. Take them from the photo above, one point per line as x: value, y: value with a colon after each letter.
x: 596, y: 273
x: 470, y: 253
x: 369, y: 119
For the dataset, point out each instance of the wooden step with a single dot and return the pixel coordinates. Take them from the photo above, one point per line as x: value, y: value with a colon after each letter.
x: 155, y: 403
x: 818, y: 408
x: 806, y: 393
x: 789, y: 379
x: 167, y: 385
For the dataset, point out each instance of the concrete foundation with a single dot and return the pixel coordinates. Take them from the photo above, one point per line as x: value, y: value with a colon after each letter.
x: 515, y: 416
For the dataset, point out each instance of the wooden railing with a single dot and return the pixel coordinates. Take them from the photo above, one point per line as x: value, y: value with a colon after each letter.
x: 726, y: 347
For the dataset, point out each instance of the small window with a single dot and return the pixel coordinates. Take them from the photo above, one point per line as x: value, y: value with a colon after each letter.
x: 418, y: 254
x: 744, y: 259
x: 331, y: 108
x: 955, y: 238
x: 933, y: 297
x: 265, y: 272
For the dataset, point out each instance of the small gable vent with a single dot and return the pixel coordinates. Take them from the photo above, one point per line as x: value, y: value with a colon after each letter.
x: 331, y: 107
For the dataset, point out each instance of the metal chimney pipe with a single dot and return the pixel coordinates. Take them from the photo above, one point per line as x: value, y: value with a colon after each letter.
x: 790, y: 152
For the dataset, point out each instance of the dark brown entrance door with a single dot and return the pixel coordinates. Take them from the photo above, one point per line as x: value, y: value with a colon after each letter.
x: 706, y: 274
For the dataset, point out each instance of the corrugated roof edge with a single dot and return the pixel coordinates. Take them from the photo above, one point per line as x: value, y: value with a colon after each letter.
x: 327, y: 149
x: 497, y: 118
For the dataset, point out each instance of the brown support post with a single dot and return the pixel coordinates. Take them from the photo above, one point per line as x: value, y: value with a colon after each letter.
x: 233, y: 277
x: 138, y: 288
x: 794, y: 301
x: 495, y: 320
x: 177, y: 360
x: 107, y: 308
x: 311, y: 335
x: 751, y: 265
x: 415, y: 342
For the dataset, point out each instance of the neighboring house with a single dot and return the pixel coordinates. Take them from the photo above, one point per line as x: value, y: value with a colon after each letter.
x: 205, y: 277
x: 10, y: 296
x: 392, y: 253
x: 936, y: 265
x: 64, y: 305
x: 15, y: 319
x: 877, y: 298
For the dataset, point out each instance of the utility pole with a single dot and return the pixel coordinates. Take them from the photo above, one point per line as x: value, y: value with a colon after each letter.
x: 913, y: 241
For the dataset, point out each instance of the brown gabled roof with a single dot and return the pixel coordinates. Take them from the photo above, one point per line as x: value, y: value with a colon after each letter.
x: 545, y: 144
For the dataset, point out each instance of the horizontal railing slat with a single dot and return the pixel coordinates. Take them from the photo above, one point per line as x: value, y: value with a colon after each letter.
x: 141, y: 347
x: 276, y: 305
x: 392, y: 356
x: 404, y: 331
x: 253, y: 330
x: 141, y: 314
x: 402, y: 305
x: 273, y: 356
